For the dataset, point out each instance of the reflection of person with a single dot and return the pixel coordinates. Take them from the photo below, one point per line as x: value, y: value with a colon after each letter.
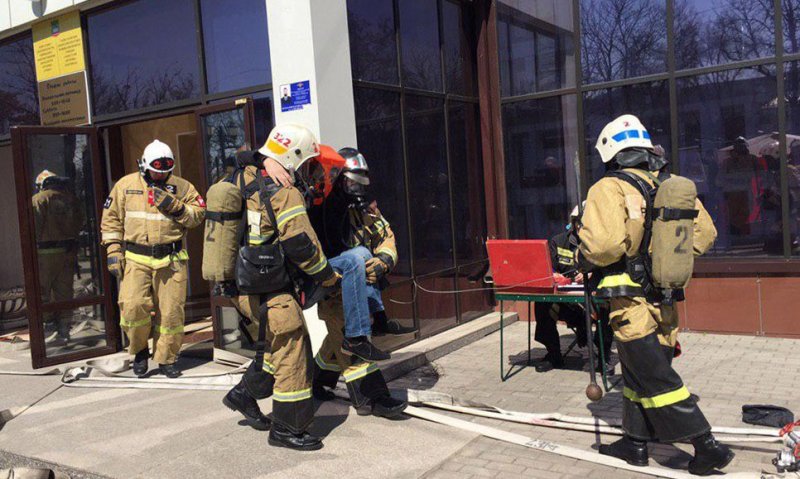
x: 350, y: 225
x: 562, y: 255
x: 144, y: 222
x: 278, y: 213
x: 656, y: 404
x: 286, y: 96
x: 793, y: 170
x: 58, y: 218
x: 768, y: 186
x: 736, y: 176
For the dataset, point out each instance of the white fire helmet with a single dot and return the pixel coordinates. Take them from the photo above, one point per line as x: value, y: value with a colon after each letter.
x: 290, y: 145
x: 41, y: 177
x: 624, y: 132
x: 158, y: 158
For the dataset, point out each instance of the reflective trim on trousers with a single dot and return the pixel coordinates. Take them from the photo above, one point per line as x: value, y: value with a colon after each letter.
x: 325, y: 366
x: 292, y: 396
x: 662, y: 400
x: 360, y: 372
x: 133, y: 324
x: 168, y: 331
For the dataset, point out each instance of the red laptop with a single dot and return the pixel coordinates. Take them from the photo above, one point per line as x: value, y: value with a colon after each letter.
x: 521, y: 266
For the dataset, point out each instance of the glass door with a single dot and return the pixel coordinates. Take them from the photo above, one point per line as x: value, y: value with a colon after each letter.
x: 60, y: 192
x: 224, y: 129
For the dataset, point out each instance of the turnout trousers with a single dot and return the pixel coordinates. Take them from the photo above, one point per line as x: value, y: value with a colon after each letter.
x: 656, y: 405
x: 285, y: 370
x: 145, y: 290
x: 364, y: 379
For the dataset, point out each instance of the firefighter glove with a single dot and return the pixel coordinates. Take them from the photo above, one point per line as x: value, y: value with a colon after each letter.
x: 116, y: 263
x: 167, y: 203
x: 376, y: 269
x: 333, y: 280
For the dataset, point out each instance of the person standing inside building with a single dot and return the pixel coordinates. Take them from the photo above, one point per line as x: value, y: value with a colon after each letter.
x: 276, y: 213
x: 615, y: 223
x: 58, y: 218
x: 349, y: 225
x: 562, y: 255
x: 145, y: 219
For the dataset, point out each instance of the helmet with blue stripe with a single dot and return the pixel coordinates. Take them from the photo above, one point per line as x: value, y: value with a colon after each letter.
x: 621, y: 134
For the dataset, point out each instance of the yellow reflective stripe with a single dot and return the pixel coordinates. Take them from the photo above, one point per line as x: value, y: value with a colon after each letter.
x: 46, y: 251
x: 316, y: 268
x: 388, y: 251
x: 565, y: 252
x: 617, y: 280
x: 325, y: 366
x: 360, y: 372
x: 269, y: 367
x: 662, y: 400
x: 154, y: 263
x: 292, y: 396
x: 175, y: 330
x: 111, y: 235
x: 255, y: 239
x: 289, y: 214
x: 133, y: 324
x: 143, y: 215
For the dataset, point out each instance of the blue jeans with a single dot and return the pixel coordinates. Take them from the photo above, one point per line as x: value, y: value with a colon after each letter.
x: 355, y: 303
x: 374, y: 299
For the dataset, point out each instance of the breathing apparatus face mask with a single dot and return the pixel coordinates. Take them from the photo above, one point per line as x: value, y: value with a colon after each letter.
x: 638, y: 157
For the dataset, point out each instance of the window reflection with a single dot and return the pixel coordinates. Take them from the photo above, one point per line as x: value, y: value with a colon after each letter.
x: 227, y: 26
x: 713, y: 32
x: 419, y: 38
x: 19, y: 103
x: 792, y: 82
x: 264, y: 116
x: 622, y: 39
x: 727, y: 125
x: 65, y: 230
x: 540, y: 144
x: 535, y: 46
x: 430, y: 190
x: 648, y: 101
x: 223, y: 134
x: 127, y: 73
x: 373, y: 47
x: 459, y: 48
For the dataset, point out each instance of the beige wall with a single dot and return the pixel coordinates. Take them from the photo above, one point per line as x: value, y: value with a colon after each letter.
x: 11, y: 259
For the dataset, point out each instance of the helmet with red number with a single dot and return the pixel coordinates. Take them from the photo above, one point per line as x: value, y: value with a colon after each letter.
x: 290, y: 145
x: 158, y: 158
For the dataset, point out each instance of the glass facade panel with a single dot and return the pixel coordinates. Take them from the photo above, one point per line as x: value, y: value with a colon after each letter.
x: 380, y: 141
x: 541, y: 139
x: 264, y: 117
x: 713, y: 32
x: 535, y: 46
x: 792, y: 82
x: 19, y: 100
x: 236, y: 44
x: 373, y: 45
x: 223, y: 133
x: 622, y: 39
x: 130, y: 66
x: 458, y: 30
x: 86, y: 329
x: 648, y: 101
x: 431, y: 231
x: 419, y: 39
x: 436, y: 304
x: 727, y: 125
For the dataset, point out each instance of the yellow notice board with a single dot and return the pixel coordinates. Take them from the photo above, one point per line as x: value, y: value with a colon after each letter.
x: 58, y: 46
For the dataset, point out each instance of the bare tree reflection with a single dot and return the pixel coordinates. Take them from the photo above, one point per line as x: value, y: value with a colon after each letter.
x: 137, y: 89
x: 19, y: 102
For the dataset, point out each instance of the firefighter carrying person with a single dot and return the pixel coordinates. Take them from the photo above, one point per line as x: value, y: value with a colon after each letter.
x: 349, y: 225
x: 145, y: 219
x: 562, y: 255
x: 58, y: 219
x: 617, y: 221
x: 276, y: 219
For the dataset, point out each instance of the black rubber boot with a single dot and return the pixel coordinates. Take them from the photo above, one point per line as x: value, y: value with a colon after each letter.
x: 170, y: 370
x: 382, y: 326
x: 140, y: 362
x: 362, y: 348
x: 280, y: 436
x: 630, y: 450
x: 388, y: 407
x: 238, y: 399
x: 709, y: 455
x: 321, y: 394
x: 551, y: 360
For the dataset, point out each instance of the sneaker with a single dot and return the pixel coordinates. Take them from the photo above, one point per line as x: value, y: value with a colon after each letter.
x: 363, y: 349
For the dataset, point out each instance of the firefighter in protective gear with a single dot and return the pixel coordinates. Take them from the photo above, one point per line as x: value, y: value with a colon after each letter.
x: 58, y: 218
x: 656, y: 404
x: 347, y: 221
x: 279, y: 213
x: 145, y: 219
